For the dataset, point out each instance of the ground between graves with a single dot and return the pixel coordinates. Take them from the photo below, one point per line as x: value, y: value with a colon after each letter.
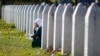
x: 15, y: 43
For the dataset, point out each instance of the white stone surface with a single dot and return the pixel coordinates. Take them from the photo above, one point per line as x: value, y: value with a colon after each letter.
x: 44, y: 26
x: 78, y: 20
x: 23, y: 18
x: 31, y: 19
x: 2, y: 11
x: 35, y: 15
x: 67, y: 29
x: 40, y: 10
x: 19, y: 16
x: 92, y: 31
x: 58, y: 27
x: 27, y: 19
x: 15, y: 15
x: 50, y: 26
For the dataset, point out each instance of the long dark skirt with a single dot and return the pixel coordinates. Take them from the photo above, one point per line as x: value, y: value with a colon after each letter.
x: 36, y: 42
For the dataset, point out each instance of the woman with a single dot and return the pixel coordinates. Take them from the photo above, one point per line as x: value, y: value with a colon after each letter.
x: 36, y: 42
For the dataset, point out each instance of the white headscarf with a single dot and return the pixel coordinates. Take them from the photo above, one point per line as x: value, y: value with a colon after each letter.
x: 38, y: 21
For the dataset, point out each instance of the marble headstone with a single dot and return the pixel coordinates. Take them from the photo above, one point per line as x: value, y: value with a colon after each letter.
x: 50, y: 26
x: 58, y: 27
x: 44, y: 26
x: 31, y: 19
x: 78, y: 20
x: 92, y: 31
x: 27, y: 19
x: 67, y: 29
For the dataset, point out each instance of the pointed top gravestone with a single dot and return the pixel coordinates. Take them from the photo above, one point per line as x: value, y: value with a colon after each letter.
x: 40, y: 12
x: 36, y: 12
x: 44, y: 26
x: 24, y: 17
x: 50, y: 26
x: 58, y: 27
x: 35, y: 16
x: 78, y: 20
x: 27, y: 19
x: 31, y: 20
x: 67, y: 29
x: 92, y: 31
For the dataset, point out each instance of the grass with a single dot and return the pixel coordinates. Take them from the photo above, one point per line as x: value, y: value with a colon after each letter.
x: 15, y: 43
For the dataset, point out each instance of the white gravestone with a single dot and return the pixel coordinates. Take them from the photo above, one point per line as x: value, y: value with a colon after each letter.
x: 92, y: 31
x: 35, y: 12
x: 34, y: 16
x: 50, y: 26
x: 31, y: 20
x: 58, y: 27
x: 78, y: 20
x: 44, y: 26
x: 7, y: 14
x: 25, y: 16
x: 67, y: 29
x: 27, y: 19
x: 17, y: 16
x: 19, y: 19
x: 12, y: 13
x: 2, y: 12
x: 40, y: 10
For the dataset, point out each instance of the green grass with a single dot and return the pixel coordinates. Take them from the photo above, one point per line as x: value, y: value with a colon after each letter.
x: 15, y: 43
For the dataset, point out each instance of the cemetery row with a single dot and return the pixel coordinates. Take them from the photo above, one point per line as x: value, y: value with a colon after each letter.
x: 74, y: 29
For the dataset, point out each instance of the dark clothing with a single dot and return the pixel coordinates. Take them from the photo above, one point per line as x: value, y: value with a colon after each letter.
x: 37, y: 38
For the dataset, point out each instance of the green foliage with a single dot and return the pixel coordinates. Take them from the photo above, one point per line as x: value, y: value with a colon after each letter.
x: 14, y: 43
x: 53, y: 1
x: 75, y: 1
x: 58, y: 54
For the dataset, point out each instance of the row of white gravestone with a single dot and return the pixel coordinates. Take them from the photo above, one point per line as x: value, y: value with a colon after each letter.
x: 20, y: 15
x: 67, y: 28
x: 73, y: 29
